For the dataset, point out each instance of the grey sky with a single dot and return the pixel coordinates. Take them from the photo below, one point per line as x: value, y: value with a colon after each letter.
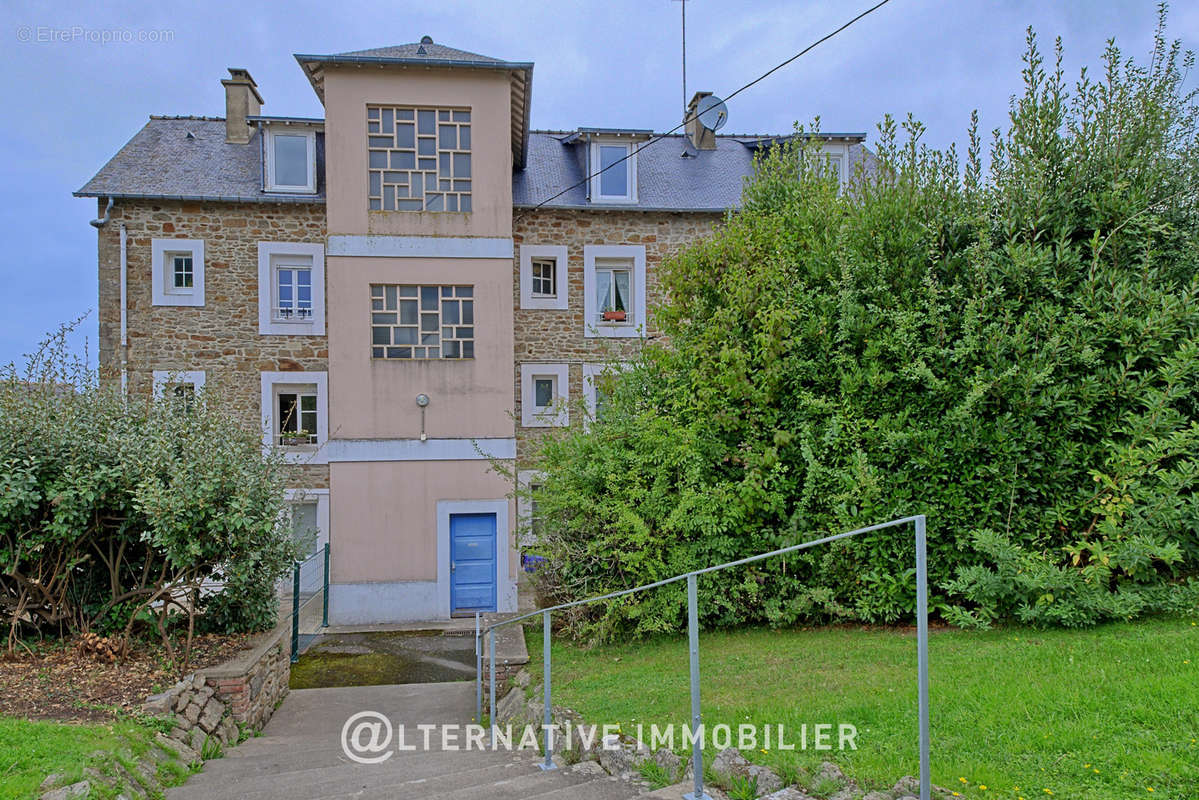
x: 72, y: 104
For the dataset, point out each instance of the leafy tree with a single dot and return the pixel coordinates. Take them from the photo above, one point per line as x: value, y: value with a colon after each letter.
x: 118, y: 511
x: 1010, y: 350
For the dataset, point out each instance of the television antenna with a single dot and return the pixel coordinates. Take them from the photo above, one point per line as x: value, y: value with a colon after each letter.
x: 683, y: 3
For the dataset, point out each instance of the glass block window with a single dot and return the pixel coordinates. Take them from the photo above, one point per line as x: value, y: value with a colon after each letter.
x: 411, y: 322
x: 418, y: 158
x: 182, y: 271
x: 544, y: 277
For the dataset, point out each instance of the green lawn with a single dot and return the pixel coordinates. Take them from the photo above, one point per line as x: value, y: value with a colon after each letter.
x: 29, y: 751
x: 1097, y: 714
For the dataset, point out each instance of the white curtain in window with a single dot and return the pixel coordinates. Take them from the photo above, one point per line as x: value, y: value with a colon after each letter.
x: 622, y: 290
x: 603, y: 289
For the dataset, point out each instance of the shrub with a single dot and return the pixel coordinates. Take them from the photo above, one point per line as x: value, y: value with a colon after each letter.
x: 117, y: 510
x: 1014, y: 352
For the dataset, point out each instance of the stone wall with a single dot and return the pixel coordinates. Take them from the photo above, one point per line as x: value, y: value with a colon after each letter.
x: 214, y: 702
x: 222, y: 336
x: 254, y: 684
x: 557, y: 335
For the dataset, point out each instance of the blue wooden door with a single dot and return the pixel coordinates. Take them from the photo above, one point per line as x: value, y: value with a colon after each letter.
x: 472, y: 562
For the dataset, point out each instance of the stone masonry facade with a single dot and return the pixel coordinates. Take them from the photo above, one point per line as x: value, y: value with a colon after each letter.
x: 221, y: 337
x: 556, y: 336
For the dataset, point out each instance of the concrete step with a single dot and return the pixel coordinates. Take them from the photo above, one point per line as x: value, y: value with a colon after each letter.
x: 298, y: 768
x: 553, y: 785
x: 405, y: 783
x: 318, y: 782
x: 300, y: 756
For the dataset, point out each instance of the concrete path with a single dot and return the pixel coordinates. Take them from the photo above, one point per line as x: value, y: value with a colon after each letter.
x: 412, y: 653
x: 300, y: 756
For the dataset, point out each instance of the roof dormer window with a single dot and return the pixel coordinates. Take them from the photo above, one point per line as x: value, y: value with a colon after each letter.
x: 614, y: 171
x: 291, y: 160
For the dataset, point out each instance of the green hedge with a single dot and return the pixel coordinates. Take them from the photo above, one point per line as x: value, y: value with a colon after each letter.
x: 1011, y: 350
x: 118, y: 513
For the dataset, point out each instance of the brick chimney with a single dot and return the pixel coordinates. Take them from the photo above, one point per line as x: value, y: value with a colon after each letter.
x: 701, y: 138
x: 241, y: 100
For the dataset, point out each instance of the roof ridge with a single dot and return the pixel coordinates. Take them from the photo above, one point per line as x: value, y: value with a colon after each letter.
x: 191, y: 117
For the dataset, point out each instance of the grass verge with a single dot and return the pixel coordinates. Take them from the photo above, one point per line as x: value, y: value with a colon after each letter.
x: 31, y: 750
x: 1109, y: 712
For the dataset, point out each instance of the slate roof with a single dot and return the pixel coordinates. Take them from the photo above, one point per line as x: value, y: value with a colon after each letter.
x: 187, y: 158
x: 708, y: 180
x: 161, y: 161
x: 428, y: 53
x: 425, y: 51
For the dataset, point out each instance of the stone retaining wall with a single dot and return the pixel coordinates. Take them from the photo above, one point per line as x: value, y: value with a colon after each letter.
x: 219, y: 703
x: 253, y: 684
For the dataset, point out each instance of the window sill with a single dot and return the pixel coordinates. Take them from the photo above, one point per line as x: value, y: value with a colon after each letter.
x: 377, y: 359
x: 381, y: 212
x: 289, y: 190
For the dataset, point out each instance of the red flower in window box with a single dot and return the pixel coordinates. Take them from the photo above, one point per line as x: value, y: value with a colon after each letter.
x: 614, y: 316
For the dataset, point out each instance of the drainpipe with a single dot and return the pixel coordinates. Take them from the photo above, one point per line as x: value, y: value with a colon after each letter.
x: 124, y: 309
x: 100, y: 222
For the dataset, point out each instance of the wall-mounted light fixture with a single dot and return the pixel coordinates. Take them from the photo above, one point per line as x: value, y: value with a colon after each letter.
x: 422, y: 400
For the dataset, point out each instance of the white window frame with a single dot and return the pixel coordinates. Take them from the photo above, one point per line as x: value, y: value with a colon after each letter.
x: 524, y: 506
x: 321, y: 498
x: 163, y: 291
x: 269, y: 256
x: 595, y: 328
x: 839, y: 152
x: 557, y: 415
x: 631, y: 163
x: 529, y: 252
x: 175, y: 377
x: 315, y: 453
x: 590, y: 373
x: 310, y: 138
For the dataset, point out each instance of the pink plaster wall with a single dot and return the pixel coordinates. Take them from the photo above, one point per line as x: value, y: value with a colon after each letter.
x: 384, y: 515
x: 376, y: 398
x: 349, y: 90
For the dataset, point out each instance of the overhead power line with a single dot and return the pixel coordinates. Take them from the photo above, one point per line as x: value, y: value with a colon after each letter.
x: 659, y: 136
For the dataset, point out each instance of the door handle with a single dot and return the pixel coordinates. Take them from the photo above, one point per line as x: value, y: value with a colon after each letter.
x: 453, y: 566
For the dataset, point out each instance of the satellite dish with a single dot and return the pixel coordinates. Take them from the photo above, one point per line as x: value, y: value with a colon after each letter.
x: 712, y: 112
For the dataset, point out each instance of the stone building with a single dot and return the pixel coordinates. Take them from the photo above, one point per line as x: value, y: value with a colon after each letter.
x: 401, y: 292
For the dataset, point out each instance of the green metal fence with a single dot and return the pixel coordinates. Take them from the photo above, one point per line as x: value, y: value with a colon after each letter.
x: 309, y: 583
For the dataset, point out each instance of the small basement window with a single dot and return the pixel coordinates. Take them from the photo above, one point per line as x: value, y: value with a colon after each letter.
x: 543, y: 393
x: 543, y: 283
x: 183, y: 385
x: 177, y: 277
x: 183, y: 273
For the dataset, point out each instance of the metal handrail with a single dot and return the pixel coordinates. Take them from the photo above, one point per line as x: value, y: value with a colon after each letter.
x: 918, y: 522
